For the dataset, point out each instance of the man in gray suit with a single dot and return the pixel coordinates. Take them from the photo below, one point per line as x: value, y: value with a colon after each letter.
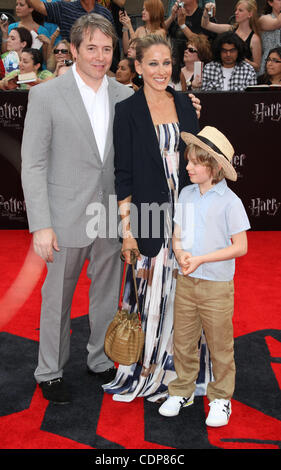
x: 67, y: 164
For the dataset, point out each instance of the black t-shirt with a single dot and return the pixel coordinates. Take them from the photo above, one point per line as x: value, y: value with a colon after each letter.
x: 194, y: 24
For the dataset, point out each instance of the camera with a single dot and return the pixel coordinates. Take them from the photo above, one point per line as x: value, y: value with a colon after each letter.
x: 4, y: 17
x: 211, y: 12
x: 180, y: 4
x: 67, y: 62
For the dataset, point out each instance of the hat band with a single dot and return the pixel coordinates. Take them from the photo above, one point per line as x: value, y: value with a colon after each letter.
x: 213, y: 146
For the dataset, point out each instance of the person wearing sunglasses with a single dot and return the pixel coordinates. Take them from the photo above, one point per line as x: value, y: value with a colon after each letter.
x: 197, y: 50
x: 60, y: 54
x: 272, y: 75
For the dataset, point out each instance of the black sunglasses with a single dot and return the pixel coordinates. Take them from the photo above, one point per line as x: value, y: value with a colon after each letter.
x: 62, y: 51
x: 191, y: 50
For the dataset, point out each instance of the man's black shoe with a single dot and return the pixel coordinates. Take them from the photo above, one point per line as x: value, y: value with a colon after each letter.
x: 106, y: 375
x: 55, y: 391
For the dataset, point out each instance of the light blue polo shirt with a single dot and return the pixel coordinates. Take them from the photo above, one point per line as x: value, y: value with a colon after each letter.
x: 207, y: 223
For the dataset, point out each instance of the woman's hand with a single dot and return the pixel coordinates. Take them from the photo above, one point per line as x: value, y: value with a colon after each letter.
x: 196, y: 83
x: 43, y: 38
x: 129, y: 244
x: 9, y: 84
x: 181, y: 16
x: 124, y: 19
x: 174, y: 11
x: 4, y: 25
x: 196, y: 104
x: 210, y: 7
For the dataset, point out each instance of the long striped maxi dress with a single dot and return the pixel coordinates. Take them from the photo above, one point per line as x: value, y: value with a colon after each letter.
x: 156, y: 282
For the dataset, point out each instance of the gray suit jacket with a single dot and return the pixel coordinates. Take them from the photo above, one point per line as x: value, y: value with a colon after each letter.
x: 62, y: 172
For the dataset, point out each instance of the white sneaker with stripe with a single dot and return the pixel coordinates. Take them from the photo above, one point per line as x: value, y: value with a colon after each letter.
x: 173, y: 405
x: 219, y: 414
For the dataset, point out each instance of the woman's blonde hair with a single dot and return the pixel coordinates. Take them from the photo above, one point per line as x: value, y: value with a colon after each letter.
x: 252, y: 7
x: 51, y: 62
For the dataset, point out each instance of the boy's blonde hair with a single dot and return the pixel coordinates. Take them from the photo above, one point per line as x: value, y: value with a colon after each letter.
x: 204, y: 158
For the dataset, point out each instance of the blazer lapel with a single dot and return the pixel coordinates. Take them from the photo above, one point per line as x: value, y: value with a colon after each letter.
x: 113, y: 98
x: 146, y: 127
x: 74, y: 102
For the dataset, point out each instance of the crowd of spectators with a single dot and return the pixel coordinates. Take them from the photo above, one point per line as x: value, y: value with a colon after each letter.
x: 209, y: 56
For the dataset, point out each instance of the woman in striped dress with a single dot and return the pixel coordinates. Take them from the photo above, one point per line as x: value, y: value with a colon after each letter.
x: 150, y: 168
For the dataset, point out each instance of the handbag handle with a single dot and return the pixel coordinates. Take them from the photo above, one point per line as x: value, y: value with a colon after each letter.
x: 134, y: 253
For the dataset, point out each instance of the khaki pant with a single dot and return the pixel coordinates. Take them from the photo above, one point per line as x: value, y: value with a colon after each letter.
x: 207, y: 305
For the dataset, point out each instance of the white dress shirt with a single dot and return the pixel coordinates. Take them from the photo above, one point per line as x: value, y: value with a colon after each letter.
x: 97, y: 107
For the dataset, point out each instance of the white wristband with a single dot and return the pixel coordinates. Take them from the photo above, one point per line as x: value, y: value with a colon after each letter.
x: 183, y: 26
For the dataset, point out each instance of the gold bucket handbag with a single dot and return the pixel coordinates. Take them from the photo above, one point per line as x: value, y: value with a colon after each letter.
x: 124, y: 338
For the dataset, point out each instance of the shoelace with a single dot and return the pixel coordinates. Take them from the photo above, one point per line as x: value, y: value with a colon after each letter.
x: 225, y: 409
x: 184, y: 401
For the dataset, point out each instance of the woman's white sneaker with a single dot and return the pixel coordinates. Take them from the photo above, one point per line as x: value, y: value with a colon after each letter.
x: 220, y: 411
x: 173, y: 405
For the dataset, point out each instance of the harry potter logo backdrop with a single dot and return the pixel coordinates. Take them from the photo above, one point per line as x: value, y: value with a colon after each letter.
x: 251, y: 121
x: 12, y: 113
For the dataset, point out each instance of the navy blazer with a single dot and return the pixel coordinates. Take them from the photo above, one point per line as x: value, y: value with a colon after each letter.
x: 139, y: 169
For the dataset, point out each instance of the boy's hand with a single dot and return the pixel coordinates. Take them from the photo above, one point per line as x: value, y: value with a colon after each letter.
x: 182, y: 258
x: 192, y: 264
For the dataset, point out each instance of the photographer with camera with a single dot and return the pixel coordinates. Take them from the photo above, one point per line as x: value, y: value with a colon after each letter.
x: 60, y: 56
x: 184, y: 23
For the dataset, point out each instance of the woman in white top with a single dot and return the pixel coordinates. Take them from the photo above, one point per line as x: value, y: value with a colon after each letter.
x: 245, y: 26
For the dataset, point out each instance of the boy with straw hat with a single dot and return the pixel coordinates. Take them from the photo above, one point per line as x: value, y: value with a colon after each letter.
x: 210, y: 232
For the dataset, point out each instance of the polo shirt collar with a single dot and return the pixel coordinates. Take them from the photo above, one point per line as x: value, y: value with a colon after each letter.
x: 217, y: 188
x: 220, y: 187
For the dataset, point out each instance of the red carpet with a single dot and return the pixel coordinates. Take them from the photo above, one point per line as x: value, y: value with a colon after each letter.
x: 28, y: 422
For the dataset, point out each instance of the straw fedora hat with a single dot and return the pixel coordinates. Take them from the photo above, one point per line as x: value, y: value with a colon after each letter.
x: 217, y: 145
